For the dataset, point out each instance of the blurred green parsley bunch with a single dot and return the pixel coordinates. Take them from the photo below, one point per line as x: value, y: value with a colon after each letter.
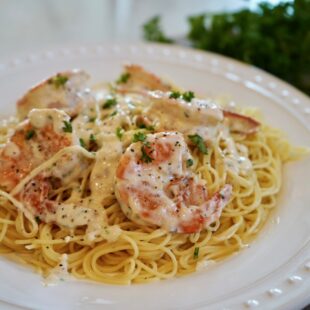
x: 275, y: 38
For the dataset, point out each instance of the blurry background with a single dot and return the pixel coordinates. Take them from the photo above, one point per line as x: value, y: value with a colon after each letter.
x: 39, y: 24
x: 274, y: 36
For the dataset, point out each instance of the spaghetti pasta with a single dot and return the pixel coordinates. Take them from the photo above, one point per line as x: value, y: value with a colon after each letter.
x: 116, y: 249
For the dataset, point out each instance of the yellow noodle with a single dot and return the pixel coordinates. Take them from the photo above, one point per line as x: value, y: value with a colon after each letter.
x: 144, y: 254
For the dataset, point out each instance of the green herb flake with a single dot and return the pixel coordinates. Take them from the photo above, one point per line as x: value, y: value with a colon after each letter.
x: 113, y: 113
x: 82, y: 143
x: 198, y: 141
x: 139, y: 136
x: 30, y: 134
x: 147, y: 127
x: 196, y: 253
x: 38, y: 220
x: 152, y: 31
x: 147, y: 143
x: 59, y: 80
x: 92, y: 119
x: 123, y: 78
x: 189, y: 163
x: 119, y: 132
x: 145, y: 157
x: 188, y: 96
x: 92, y: 146
x: 68, y: 127
x: 92, y: 138
x: 109, y: 103
x: 175, y: 95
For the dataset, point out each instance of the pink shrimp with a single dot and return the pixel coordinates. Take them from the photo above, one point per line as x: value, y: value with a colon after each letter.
x: 139, y: 79
x: 38, y: 194
x: 200, y: 112
x: 36, y: 140
x: 156, y: 186
x: 178, y: 114
x: 64, y: 91
x: 32, y: 144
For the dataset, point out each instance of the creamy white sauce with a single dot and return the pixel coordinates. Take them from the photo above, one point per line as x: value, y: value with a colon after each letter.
x: 180, y: 115
x: 208, y: 133
x: 67, y: 239
x: 236, y: 156
x: 38, y: 156
x: 69, y: 167
x: 204, y: 264
x: 103, y: 173
x: 59, y: 273
x: 11, y: 150
x: 40, y: 118
x: 153, y: 179
x: 72, y: 215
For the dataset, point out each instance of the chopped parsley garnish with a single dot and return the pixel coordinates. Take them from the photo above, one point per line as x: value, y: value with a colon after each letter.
x: 147, y: 143
x: 188, y: 96
x: 38, y: 220
x: 198, y: 141
x: 68, y: 127
x: 92, y: 138
x: 150, y: 127
x: 92, y: 119
x: 30, y: 134
x: 139, y: 136
x: 109, y: 103
x: 123, y: 78
x: 175, y: 95
x: 196, y: 253
x: 113, y: 113
x: 59, y: 80
x: 145, y: 157
x: 189, y: 162
x: 93, y: 146
x: 119, y: 132
x: 82, y: 143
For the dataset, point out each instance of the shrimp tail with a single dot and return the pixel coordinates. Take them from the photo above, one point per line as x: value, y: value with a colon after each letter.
x: 216, y: 204
x: 208, y: 213
x: 239, y: 123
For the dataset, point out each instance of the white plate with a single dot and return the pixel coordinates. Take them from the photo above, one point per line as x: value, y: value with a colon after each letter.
x: 274, y: 272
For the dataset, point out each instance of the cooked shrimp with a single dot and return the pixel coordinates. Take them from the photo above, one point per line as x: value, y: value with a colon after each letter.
x: 138, y: 79
x: 241, y: 123
x: 34, y: 141
x: 65, y: 90
x: 197, y: 111
x: 38, y: 194
x: 154, y: 185
x: 178, y: 114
